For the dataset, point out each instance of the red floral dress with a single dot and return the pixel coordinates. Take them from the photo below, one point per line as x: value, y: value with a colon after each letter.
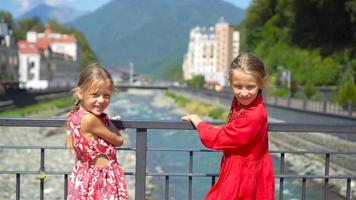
x: 88, y: 181
x: 246, y: 171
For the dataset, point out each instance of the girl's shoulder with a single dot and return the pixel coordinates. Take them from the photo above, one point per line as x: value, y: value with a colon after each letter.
x: 76, y: 117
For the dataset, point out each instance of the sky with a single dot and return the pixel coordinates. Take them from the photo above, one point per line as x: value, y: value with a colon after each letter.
x: 18, y: 7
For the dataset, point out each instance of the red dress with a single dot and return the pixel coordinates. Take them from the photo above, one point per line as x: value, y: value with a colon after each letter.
x: 246, y: 170
x: 87, y: 181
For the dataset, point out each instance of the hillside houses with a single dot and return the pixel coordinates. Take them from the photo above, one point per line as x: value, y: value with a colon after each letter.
x: 48, y: 60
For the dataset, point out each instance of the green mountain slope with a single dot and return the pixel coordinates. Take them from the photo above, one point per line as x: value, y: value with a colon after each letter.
x: 150, y: 33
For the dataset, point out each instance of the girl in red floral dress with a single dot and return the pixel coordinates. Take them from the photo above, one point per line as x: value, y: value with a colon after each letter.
x: 246, y: 171
x: 96, y: 174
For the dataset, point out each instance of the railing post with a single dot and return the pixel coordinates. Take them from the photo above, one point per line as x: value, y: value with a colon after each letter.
x: 325, y: 105
x: 349, y: 108
x: 41, y: 176
x: 141, y: 154
x: 281, y: 180
x: 348, y: 189
x: 18, y: 188
x: 166, y: 193
x: 65, y: 186
x: 190, y: 189
x: 304, y: 183
x: 326, y: 183
x: 305, y: 102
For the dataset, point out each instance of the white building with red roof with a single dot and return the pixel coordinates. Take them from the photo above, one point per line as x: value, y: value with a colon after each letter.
x: 48, y: 60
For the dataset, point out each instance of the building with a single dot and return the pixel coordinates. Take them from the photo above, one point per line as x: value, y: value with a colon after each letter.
x: 8, y: 58
x: 48, y: 60
x: 210, y: 52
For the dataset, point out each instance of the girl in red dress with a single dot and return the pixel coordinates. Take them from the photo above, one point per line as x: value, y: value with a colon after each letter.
x: 96, y: 174
x: 246, y: 171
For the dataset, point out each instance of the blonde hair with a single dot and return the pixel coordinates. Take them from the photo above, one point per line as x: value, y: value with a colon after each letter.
x: 93, y: 76
x: 249, y: 64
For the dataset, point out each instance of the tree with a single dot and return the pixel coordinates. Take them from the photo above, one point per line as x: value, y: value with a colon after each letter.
x: 87, y: 55
x: 197, y: 81
x: 25, y: 25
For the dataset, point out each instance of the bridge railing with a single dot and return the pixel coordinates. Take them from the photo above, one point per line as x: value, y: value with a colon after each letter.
x: 319, y: 107
x: 140, y: 173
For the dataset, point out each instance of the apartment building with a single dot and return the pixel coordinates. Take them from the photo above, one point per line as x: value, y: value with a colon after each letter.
x: 210, y: 51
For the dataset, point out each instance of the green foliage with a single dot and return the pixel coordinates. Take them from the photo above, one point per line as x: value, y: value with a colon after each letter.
x: 347, y: 92
x: 309, y: 89
x: 197, y: 81
x: 198, y: 107
x: 24, y: 25
x: 313, y: 39
x: 7, y: 17
x: 217, y: 113
x: 280, y: 92
x: 170, y: 69
x: 180, y: 100
x: 29, y: 110
x: 87, y: 56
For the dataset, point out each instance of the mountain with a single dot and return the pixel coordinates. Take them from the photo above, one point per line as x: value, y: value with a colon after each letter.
x: 60, y: 14
x: 153, y: 34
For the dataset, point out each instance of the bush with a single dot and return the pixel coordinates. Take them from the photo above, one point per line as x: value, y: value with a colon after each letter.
x: 347, y: 92
x: 216, y: 113
x: 309, y: 89
x: 197, y: 81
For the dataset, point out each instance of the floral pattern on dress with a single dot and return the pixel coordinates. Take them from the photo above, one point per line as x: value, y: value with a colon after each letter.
x: 88, y: 181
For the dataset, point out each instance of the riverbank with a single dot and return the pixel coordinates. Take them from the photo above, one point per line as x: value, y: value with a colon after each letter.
x: 310, y: 164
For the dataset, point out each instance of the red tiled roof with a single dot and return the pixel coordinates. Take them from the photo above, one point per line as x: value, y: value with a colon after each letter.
x: 44, y: 43
x: 27, y: 48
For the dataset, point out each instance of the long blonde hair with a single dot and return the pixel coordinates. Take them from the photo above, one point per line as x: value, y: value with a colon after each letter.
x: 93, y: 76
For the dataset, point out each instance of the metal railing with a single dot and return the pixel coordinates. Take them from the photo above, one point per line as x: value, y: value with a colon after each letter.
x: 319, y: 107
x: 323, y: 107
x: 141, y: 150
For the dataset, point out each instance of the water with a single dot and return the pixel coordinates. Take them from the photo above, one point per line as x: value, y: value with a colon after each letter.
x: 148, y: 105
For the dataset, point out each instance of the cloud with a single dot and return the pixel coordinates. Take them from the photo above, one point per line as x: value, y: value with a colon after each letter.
x: 23, y: 5
x: 53, y: 2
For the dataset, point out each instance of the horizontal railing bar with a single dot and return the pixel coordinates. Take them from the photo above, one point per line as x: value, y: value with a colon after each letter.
x: 311, y: 152
x: 186, y: 174
x: 7, y: 146
x: 182, y: 149
x: 179, y: 125
x: 276, y: 176
x: 48, y: 172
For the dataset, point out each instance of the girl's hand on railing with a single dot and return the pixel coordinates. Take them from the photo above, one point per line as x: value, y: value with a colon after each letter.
x: 117, y: 117
x: 195, y: 119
